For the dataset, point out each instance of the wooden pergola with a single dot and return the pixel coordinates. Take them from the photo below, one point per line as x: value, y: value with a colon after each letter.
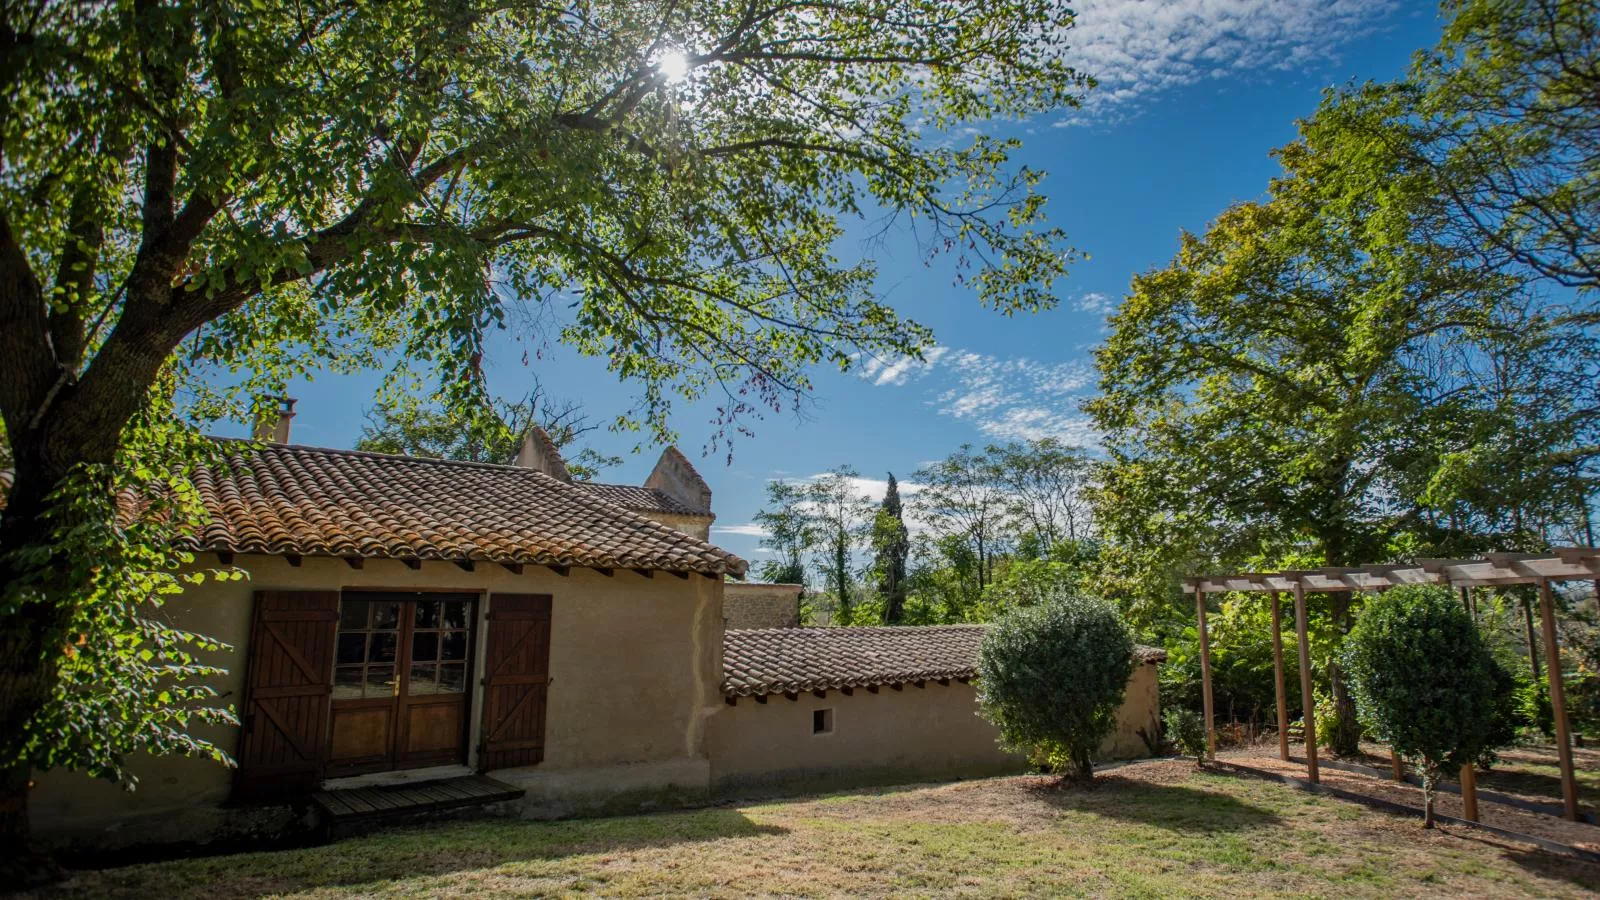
x: 1561, y: 564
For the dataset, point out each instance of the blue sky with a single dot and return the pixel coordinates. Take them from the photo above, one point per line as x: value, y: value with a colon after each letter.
x: 1193, y: 96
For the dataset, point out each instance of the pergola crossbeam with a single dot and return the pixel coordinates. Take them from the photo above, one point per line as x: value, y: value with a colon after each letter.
x: 1563, y: 564
x: 1558, y: 564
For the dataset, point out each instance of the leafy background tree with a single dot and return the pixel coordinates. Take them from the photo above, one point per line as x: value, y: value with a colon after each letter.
x: 403, y: 426
x: 891, y: 545
x: 204, y: 201
x: 788, y: 531
x: 842, y: 519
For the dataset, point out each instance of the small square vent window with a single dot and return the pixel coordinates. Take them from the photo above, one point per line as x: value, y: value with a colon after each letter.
x: 822, y: 721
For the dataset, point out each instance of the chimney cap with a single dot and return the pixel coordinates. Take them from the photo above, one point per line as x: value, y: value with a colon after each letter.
x: 272, y: 423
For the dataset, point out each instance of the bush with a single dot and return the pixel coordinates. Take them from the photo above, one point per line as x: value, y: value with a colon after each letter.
x: 1423, y: 680
x: 1052, y: 677
x: 1186, y: 731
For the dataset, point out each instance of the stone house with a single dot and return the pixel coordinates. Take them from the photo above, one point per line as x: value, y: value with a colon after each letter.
x: 409, y: 621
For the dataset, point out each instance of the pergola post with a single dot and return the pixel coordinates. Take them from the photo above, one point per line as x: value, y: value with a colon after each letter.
x: 1558, y: 699
x: 1280, y: 690
x: 1308, y: 701
x: 1205, y: 672
x: 1469, y: 793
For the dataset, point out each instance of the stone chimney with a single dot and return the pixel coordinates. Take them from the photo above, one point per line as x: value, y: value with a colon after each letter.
x: 676, y: 477
x: 273, y: 423
x: 539, y: 452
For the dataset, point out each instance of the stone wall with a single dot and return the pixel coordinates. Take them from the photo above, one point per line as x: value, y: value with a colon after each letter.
x: 761, y: 605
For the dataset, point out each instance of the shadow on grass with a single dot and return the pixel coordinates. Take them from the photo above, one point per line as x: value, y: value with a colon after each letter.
x: 422, y: 851
x: 1175, y: 807
x: 1548, y: 865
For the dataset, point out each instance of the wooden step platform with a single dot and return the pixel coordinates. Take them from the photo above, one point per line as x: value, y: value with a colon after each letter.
x: 405, y: 800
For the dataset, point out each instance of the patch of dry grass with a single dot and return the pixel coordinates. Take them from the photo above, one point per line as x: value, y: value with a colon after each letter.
x: 1159, y: 829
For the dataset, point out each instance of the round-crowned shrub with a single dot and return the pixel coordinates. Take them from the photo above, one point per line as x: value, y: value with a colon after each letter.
x: 1052, y: 676
x: 1423, y: 681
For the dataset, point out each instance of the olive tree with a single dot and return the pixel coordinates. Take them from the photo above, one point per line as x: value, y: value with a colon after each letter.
x: 202, y: 200
x: 1052, y: 677
x: 1423, y: 681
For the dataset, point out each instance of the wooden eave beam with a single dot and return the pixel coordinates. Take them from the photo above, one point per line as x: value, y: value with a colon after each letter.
x: 676, y: 574
x: 355, y: 562
x: 293, y: 559
x: 761, y: 698
x: 513, y: 568
x: 820, y: 694
x: 224, y: 557
x: 466, y: 565
x: 646, y: 573
x: 563, y: 571
x: 731, y: 700
x: 791, y: 696
x: 847, y: 691
x: 604, y: 571
x: 412, y: 562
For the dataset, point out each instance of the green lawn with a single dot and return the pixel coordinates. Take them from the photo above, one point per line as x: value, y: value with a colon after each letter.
x: 1152, y: 830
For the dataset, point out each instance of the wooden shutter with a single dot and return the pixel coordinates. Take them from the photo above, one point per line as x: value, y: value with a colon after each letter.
x: 517, y: 676
x: 289, y: 680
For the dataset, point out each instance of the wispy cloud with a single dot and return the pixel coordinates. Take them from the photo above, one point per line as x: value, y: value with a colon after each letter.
x: 1015, y: 398
x: 1095, y: 303
x: 1139, y: 48
x: 901, y: 369
x: 749, y: 529
x: 1019, y: 398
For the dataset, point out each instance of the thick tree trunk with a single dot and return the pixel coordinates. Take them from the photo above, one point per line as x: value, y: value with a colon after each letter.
x: 27, y: 679
x: 39, y: 588
x: 1347, y: 734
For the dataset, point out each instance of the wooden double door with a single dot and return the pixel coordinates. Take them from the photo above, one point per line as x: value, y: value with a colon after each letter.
x: 402, y: 672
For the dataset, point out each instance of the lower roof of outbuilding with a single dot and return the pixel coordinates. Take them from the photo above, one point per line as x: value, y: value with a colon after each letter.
x: 757, y: 662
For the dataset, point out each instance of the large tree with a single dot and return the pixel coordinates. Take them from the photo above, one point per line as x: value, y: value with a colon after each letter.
x: 1254, y: 391
x: 1502, y: 122
x: 258, y: 189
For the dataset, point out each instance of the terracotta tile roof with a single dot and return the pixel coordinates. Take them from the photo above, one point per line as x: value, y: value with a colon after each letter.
x: 639, y: 499
x: 794, y: 660
x: 305, y: 501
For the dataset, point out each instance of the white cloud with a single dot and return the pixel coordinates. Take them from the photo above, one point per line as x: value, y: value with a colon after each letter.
x: 1139, y: 48
x: 749, y: 529
x: 902, y: 369
x: 1096, y: 303
x: 873, y: 488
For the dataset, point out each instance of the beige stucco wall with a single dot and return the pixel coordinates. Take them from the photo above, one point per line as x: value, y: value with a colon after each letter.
x: 635, y: 665
x: 891, y: 736
x: 761, y: 605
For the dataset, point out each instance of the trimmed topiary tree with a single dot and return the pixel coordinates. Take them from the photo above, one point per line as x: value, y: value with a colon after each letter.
x: 1052, y: 677
x: 1423, y: 681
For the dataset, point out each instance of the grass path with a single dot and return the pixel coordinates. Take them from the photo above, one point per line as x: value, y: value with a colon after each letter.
x: 1146, y: 831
